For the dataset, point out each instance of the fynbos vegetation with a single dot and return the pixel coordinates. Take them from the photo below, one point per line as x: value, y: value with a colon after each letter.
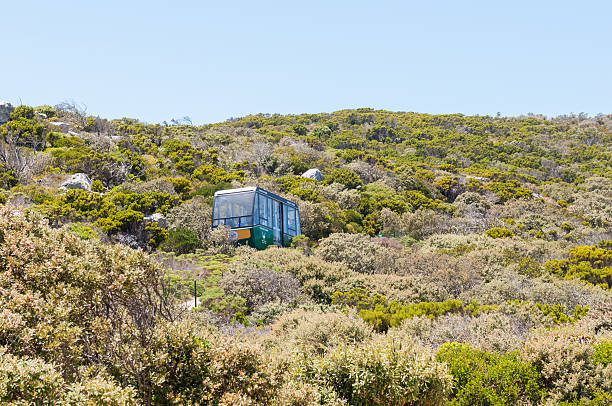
x: 445, y: 259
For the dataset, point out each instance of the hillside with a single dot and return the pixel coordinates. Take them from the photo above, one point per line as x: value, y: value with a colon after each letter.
x: 446, y: 259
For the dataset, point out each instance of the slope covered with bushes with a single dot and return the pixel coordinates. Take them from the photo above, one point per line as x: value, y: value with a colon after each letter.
x: 445, y: 259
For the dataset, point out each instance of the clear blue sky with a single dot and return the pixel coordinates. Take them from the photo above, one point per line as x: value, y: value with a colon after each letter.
x: 155, y: 60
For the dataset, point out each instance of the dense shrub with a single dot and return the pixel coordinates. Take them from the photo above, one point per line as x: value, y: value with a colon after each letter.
x: 314, y: 219
x: 316, y: 333
x: 589, y: 263
x: 26, y: 380
x: 357, y: 252
x: 259, y: 286
x: 382, y: 314
x: 181, y: 241
x: 567, y: 365
x: 499, y: 233
x: 70, y: 304
x: 493, y: 331
x: 545, y: 289
x: 194, y: 215
x: 344, y: 177
x: 602, y: 353
x: 488, y: 378
x: 379, y: 373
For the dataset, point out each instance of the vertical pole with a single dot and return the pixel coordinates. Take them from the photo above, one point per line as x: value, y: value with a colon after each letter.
x: 195, y: 294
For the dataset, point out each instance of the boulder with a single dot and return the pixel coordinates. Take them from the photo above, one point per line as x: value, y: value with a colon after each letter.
x: 62, y: 126
x: 158, y: 218
x: 6, y: 109
x: 313, y: 174
x: 77, y: 181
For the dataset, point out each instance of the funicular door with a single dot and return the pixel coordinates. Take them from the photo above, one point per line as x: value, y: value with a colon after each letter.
x: 276, y: 223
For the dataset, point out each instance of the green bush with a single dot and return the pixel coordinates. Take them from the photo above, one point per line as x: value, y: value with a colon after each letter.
x: 344, y: 177
x: 300, y: 129
x: 592, y: 264
x: 182, y: 186
x: 181, y: 241
x: 599, y: 399
x: 382, y: 314
x: 97, y: 186
x: 46, y: 110
x: 602, y: 353
x: 482, y: 378
x: 497, y: 232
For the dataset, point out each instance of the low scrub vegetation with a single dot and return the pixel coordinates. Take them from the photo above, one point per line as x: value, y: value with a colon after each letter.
x: 446, y: 259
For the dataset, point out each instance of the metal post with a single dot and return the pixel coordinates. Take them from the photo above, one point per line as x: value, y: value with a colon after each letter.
x: 195, y: 294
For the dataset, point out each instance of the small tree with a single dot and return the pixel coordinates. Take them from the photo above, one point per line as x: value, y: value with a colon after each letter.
x: 16, y: 158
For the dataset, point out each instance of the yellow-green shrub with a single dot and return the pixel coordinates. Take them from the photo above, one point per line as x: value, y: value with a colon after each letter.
x: 499, y: 233
x: 482, y: 378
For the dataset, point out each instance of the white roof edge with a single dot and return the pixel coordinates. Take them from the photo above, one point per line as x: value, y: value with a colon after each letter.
x: 240, y: 189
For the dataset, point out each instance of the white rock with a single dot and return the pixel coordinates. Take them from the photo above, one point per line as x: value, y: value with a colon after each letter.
x: 60, y: 125
x: 313, y: 174
x: 77, y: 181
x: 158, y: 218
x: 6, y: 109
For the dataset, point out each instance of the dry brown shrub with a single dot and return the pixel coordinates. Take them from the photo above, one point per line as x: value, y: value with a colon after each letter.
x: 564, y: 358
x: 501, y: 330
x: 194, y: 215
x: 406, y: 288
x: 548, y: 289
x: 358, y: 252
x: 314, y: 332
x: 241, y: 371
x: 294, y: 393
x: 259, y: 286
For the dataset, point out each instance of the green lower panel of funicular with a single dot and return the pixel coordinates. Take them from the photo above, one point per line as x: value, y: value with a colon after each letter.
x: 263, y: 237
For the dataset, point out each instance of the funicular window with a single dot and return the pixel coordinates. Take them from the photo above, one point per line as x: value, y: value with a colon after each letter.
x: 264, y: 210
x: 291, y: 224
x: 233, y: 210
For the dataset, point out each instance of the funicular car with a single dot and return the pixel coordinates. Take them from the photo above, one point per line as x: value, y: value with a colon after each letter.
x: 256, y: 217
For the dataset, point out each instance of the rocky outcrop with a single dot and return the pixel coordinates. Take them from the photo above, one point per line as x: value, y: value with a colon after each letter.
x: 313, y: 174
x: 77, y: 181
x: 60, y: 125
x: 6, y: 109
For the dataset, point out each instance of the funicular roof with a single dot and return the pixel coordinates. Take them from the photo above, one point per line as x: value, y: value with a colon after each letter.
x: 255, y: 189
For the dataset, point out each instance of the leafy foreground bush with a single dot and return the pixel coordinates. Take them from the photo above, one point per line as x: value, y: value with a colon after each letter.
x: 71, y: 307
x: 482, y: 378
x: 379, y: 373
x: 33, y: 381
x: 571, y: 368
